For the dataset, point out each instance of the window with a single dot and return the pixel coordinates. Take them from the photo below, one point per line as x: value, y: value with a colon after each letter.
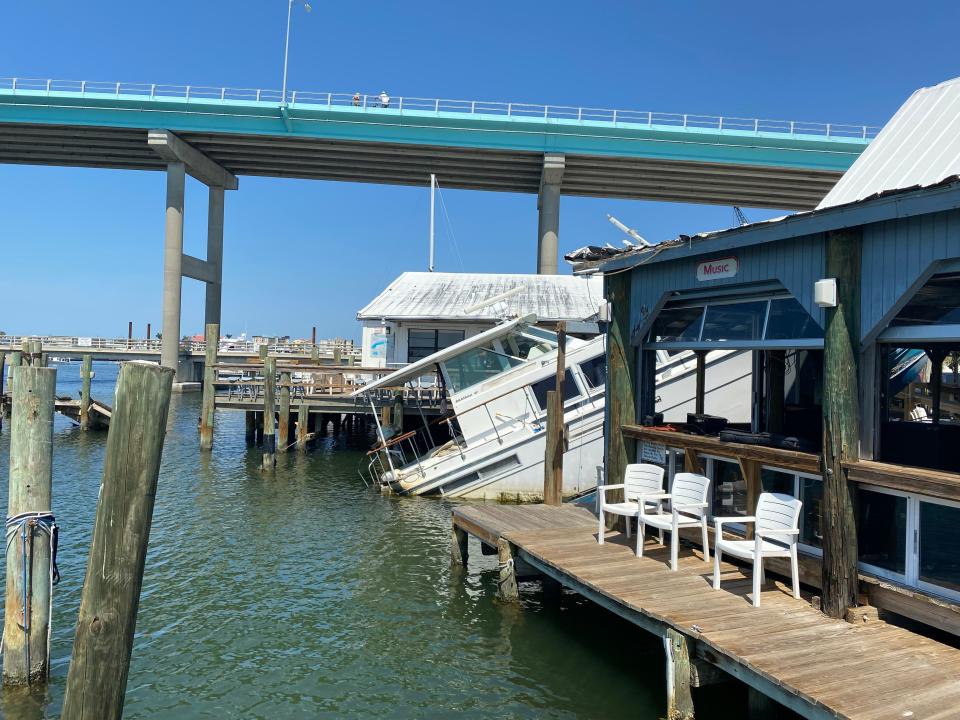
x: 540, y: 389
x: 788, y: 320
x: 677, y: 325
x: 882, y: 531
x: 777, y: 481
x: 736, y: 321
x: 936, y: 303
x: 475, y: 366
x: 729, y: 488
x: 595, y: 371
x: 939, y: 563
x: 809, y: 489
x: 424, y: 343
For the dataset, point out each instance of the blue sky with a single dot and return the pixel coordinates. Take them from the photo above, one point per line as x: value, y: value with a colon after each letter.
x: 81, y: 250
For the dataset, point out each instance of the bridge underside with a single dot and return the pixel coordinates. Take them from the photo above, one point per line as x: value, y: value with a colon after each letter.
x: 406, y: 164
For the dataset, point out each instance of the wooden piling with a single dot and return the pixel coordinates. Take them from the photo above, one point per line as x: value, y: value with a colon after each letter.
x: 841, y: 426
x: 507, y: 590
x: 459, y: 548
x: 337, y: 355
x: 269, y: 413
x: 86, y: 375
x: 315, y: 355
x: 208, y: 402
x: 678, y: 650
x: 302, y: 426
x: 27, y: 609
x: 3, y: 377
x: 553, y: 459
x: 16, y: 359
x: 44, y: 359
x: 250, y: 426
x: 700, y: 394
x: 36, y: 352
x: 97, y: 678
x: 283, y: 431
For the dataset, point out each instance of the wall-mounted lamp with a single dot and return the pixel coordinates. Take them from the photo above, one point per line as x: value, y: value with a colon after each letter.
x: 825, y: 292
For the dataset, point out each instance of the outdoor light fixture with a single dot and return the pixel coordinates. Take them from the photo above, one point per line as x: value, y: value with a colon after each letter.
x: 825, y: 292
x: 286, y: 48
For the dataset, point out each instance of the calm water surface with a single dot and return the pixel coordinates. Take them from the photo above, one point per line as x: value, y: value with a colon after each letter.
x: 305, y: 594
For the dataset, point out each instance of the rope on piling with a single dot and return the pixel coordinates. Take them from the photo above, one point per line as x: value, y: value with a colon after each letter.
x: 22, y: 524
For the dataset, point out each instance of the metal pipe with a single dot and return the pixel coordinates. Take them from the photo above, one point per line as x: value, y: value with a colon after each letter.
x: 433, y: 190
x: 286, y: 51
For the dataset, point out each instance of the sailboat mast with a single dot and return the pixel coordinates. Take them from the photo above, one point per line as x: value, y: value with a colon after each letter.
x: 433, y: 191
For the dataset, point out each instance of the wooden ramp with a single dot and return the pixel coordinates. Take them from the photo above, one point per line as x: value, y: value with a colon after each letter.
x: 785, y: 649
x: 100, y: 413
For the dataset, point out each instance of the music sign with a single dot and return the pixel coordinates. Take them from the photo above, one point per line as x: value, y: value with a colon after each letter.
x: 715, y: 269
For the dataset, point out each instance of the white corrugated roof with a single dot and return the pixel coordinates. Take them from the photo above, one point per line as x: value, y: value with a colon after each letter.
x: 446, y: 296
x: 919, y: 147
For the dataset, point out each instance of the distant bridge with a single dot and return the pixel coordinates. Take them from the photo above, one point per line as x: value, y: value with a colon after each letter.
x: 217, y: 134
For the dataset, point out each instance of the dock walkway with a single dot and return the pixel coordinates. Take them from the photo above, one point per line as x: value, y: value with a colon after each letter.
x: 785, y: 649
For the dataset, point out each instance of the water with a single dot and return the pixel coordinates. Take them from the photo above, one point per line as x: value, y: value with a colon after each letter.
x: 305, y: 594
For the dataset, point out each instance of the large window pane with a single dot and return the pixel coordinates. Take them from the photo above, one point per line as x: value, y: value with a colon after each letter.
x: 882, y: 530
x: 936, y: 303
x: 789, y: 320
x: 475, y: 366
x: 540, y: 389
x: 939, y: 559
x: 811, y: 515
x: 737, y: 321
x: 677, y: 325
x: 595, y: 371
x: 776, y: 481
x: 424, y: 343
x: 729, y: 489
x: 446, y: 338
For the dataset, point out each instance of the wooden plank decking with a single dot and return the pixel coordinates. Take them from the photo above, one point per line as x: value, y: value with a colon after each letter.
x: 792, y: 653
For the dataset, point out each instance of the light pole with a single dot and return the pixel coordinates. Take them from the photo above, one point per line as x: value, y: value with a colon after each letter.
x: 286, y: 48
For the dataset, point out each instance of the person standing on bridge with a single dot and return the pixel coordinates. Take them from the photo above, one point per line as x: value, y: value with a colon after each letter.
x: 356, y: 99
x: 384, y: 99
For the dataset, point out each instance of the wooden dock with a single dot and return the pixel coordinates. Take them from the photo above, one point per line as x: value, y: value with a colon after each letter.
x: 785, y: 649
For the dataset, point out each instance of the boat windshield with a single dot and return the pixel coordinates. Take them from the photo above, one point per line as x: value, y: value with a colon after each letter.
x: 482, y: 363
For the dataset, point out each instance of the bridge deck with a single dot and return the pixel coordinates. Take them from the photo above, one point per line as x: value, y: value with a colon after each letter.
x: 792, y: 653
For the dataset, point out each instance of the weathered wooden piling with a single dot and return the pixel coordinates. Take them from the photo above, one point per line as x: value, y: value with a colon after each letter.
x: 337, y: 355
x: 459, y: 548
x: 283, y: 428
x: 30, y: 527
x: 269, y: 410
x: 25, y: 351
x: 302, y: 426
x: 44, y: 360
x: 678, y: 649
x: 97, y: 678
x: 3, y: 377
x: 553, y: 460
x: 507, y: 590
x: 208, y: 402
x: 16, y: 359
x: 251, y: 426
x: 315, y: 354
x: 86, y: 375
x: 36, y: 352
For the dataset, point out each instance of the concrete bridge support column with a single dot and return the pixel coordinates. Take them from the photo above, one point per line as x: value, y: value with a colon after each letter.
x: 548, y: 205
x: 172, y: 265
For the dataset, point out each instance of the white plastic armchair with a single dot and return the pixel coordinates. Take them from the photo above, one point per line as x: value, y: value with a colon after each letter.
x: 688, y: 508
x: 776, y: 534
x: 638, y: 479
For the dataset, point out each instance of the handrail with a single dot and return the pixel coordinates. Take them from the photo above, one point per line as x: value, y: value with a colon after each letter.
x: 368, y: 102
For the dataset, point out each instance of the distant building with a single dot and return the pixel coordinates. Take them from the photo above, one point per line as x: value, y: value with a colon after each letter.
x: 422, y: 312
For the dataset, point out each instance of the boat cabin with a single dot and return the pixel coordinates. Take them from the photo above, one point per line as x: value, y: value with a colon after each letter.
x: 851, y: 316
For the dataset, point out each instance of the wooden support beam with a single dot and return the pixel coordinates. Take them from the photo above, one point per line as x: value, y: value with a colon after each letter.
x: 283, y: 429
x: 27, y: 609
x: 97, y: 679
x: 553, y: 461
x: 269, y: 413
x: 208, y: 402
x: 250, y: 426
x: 701, y: 385
x: 620, y: 407
x: 841, y: 424
x: 750, y: 469
x: 459, y: 549
x: 775, y: 369
x: 692, y: 462
x: 704, y: 673
x: 678, y: 649
x: 302, y: 426
x: 86, y: 375
x: 507, y: 590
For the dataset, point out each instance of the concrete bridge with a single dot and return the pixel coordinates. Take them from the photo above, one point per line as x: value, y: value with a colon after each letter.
x: 217, y: 134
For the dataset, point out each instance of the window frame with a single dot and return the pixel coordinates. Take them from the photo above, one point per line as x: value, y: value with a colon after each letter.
x: 797, y: 476
x: 925, y: 585
x: 436, y: 340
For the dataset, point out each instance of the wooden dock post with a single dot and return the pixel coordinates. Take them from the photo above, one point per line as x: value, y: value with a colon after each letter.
x: 97, y: 678
x: 283, y: 429
x: 620, y: 408
x: 841, y: 425
x: 27, y: 610
x: 25, y: 351
x: 678, y: 650
x: 553, y: 460
x: 507, y: 580
x: 251, y: 427
x: 3, y: 377
x: 86, y: 375
x: 269, y: 413
x: 459, y: 549
x: 208, y: 402
x: 303, y: 430
x: 16, y: 359
x: 36, y: 352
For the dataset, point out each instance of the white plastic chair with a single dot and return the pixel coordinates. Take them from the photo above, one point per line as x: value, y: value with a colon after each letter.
x: 638, y: 479
x: 776, y: 533
x: 688, y: 508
